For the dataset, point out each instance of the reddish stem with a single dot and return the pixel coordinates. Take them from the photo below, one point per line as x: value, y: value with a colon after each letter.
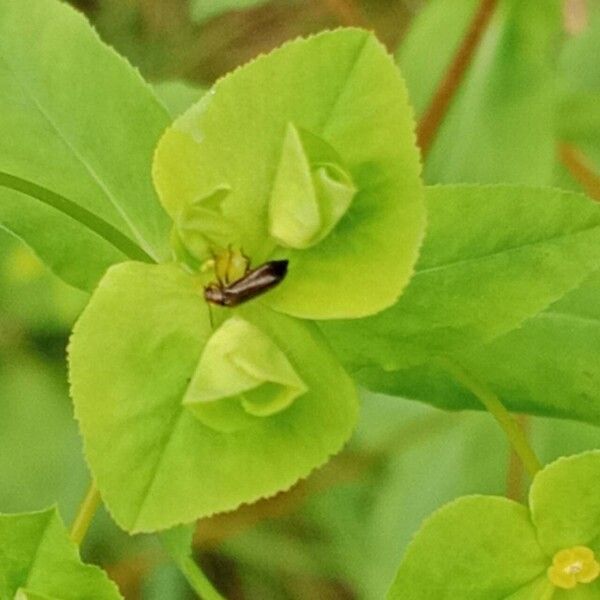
x: 442, y: 99
x: 580, y: 168
x: 348, y: 13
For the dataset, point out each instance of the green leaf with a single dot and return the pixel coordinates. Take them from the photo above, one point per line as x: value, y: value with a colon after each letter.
x: 565, y: 503
x: 549, y: 366
x: 36, y: 215
x: 335, y: 94
x: 30, y: 295
x: 177, y: 96
x: 500, y: 127
x: 481, y: 547
x: 79, y: 129
x: 476, y: 548
x: 133, y: 354
x: 28, y: 595
x: 178, y: 540
x: 476, y: 280
x: 37, y: 555
x: 40, y: 449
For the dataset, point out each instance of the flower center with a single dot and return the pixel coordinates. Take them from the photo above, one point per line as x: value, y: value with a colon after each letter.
x: 572, y: 566
x: 576, y: 567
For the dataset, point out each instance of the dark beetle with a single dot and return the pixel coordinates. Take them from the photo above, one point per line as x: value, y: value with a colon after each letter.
x: 254, y: 283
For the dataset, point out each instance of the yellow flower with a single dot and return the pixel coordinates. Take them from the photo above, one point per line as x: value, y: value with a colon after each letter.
x: 572, y: 566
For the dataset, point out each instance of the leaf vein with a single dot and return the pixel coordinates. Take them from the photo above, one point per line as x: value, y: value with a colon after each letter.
x: 482, y: 257
x: 79, y: 156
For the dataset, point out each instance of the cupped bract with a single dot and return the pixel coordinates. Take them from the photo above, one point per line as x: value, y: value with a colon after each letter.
x: 145, y: 363
x: 306, y: 154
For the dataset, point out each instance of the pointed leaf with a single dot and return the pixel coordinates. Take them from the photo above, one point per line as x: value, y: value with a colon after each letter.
x: 80, y: 123
x: 548, y: 366
x: 493, y: 257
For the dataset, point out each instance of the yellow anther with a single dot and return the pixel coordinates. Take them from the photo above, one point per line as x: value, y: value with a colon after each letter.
x: 572, y: 566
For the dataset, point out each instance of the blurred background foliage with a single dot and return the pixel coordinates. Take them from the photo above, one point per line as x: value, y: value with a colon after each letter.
x: 528, y: 111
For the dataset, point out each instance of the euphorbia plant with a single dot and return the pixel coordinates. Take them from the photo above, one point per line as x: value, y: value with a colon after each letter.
x: 490, y: 547
x: 306, y: 156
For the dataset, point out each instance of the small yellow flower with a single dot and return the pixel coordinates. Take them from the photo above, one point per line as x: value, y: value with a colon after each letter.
x: 572, y: 566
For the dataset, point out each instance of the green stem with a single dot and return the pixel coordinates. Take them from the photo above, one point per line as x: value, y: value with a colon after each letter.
x: 194, y: 575
x: 85, y: 514
x: 198, y: 580
x: 515, y: 434
x: 548, y: 592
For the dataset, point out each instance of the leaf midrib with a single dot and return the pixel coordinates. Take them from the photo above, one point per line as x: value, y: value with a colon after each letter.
x: 78, y: 213
x: 163, y: 444
x: 586, y: 321
x: 78, y: 156
x: 482, y: 257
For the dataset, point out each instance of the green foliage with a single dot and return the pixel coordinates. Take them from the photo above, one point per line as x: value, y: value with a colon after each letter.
x: 217, y: 171
x: 306, y: 154
x: 475, y: 280
x: 132, y: 357
x: 548, y: 366
x: 74, y: 157
x: 38, y: 561
x: 500, y: 128
x: 482, y: 547
x: 177, y: 96
x: 40, y: 451
x: 30, y: 296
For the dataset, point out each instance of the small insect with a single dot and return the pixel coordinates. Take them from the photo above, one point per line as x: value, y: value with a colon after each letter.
x: 253, y: 283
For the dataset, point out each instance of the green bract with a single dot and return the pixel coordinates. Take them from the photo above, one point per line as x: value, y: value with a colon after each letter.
x: 311, y: 192
x: 484, y: 548
x: 79, y: 126
x: 176, y: 415
x: 38, y: 561
x: 306, y: 154
x: 493, y: 256
x: 242, y: 375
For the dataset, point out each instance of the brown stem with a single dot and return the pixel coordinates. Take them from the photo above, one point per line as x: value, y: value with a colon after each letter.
x: 435, y: 113
x: 581, y: 168
x: 576, y: 15
x: 348, y: 13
